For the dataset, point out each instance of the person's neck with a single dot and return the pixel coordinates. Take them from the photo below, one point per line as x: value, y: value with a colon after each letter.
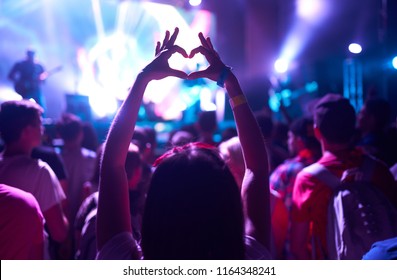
x: 72, y: 146
x: 335, y: 149
x: 17, y: 150
x: 206, y: 137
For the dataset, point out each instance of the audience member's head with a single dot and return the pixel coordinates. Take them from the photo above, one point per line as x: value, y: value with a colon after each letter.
x: 206, y: 127
x: 335, y: 118
x: 151, y: 136
x: 228, y: 133
x: 140, y: 139
x: 16, y: 116
x: 265, y: 123
x: 70, y: 128
x: 374, y: 116
x: 233, y: 156
x: 301, y: 136
x: 133, y: 167
x: 90, y: 137
x: 180, y: 138
x: 207, y: 121
x: 280, y: 134
x: 193, y: 207
x: 192, y: 129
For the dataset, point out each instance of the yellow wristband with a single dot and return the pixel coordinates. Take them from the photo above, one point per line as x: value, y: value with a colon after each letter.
x: 237, y: 101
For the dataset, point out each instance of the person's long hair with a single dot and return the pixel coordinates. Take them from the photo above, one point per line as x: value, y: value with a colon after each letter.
x: 193, y: 208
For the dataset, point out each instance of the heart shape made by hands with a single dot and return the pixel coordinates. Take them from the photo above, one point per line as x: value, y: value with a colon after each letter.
x: 193, y: 63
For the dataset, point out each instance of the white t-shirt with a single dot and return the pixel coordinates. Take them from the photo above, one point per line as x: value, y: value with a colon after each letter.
x: 80, y: 165
x: 33, y: 176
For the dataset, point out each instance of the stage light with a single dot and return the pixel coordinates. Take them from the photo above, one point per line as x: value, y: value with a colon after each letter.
x: 355, y: 48
x: 7, y: 93
x: 194, y: 3
x: 103, y: 105
x: 310, y: 10
x: 309, y: 14
x: 281, y: 66
x: 394, y: 62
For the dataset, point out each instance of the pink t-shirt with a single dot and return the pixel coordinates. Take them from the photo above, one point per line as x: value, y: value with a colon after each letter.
x: 21, y: 225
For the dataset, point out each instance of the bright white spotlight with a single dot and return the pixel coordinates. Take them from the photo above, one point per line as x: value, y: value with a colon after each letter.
x: 355, y: 48
x: 394, y: 62
x: 103, y: 105
x: 311, y: 10
x: 194, y: 3
x: 281, y: 66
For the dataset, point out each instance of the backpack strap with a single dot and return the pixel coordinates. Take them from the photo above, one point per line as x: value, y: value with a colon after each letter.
x: 323, y: 174
x: 367, y: 168
x: 362, y: 173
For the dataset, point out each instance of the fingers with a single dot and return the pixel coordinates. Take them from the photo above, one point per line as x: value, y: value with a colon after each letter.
x: 171, y: 42
x: 178, y: 73
x: 197, y: 50
x: 212, y: 47
x: 158, y: 46
x: 203, y: 41
x: 180, y: 50
x: 175, y: 49
x: 194, y: 51
x: 166, y: 38
x: 210, y: 43
x: 168, y: 41
x: 197, y: 75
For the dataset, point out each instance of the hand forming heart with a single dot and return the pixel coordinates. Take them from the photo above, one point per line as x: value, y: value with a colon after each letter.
x: 159, y: 68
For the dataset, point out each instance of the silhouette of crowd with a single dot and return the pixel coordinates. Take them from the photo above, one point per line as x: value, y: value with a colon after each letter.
x: 255, y: 194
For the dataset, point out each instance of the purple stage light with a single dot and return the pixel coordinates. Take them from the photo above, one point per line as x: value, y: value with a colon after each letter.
x: 281, y: 66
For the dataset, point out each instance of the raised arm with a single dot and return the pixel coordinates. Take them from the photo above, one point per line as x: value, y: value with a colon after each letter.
x: 255, y: 187
x: 113, y: 215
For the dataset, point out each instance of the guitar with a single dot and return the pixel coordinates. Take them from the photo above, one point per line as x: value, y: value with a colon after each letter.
x: 23, y: 86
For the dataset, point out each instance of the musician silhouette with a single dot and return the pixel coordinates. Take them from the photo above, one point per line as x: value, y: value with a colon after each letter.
x: 28, y: 76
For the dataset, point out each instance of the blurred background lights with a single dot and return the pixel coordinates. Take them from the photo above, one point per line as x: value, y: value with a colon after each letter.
x: 281, y: 66
x: 394, y: 62
x: 311, y: 10
x: 355, y: 48
x: 194, y: 3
